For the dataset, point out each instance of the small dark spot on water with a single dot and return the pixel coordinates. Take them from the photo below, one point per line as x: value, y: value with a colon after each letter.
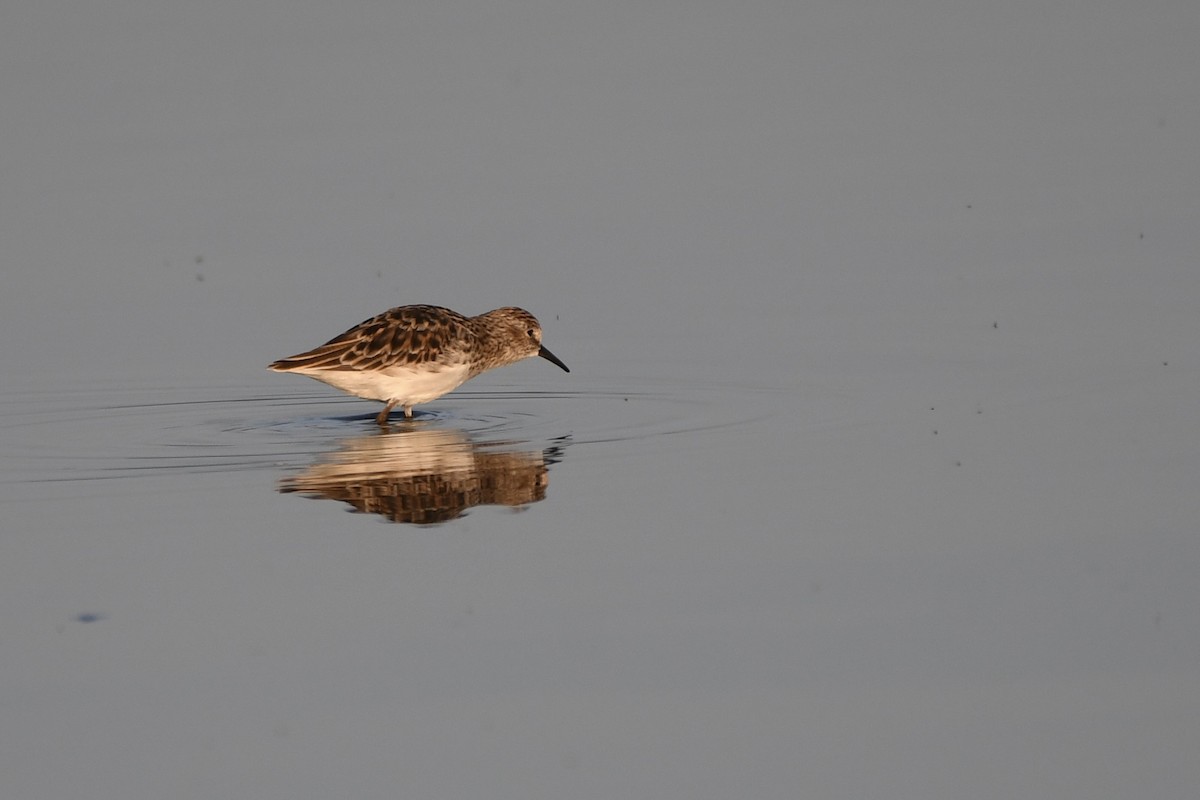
x: 87, y: 617
x: 996, y: 325
x: 199, y: 277
x: 199, y: 259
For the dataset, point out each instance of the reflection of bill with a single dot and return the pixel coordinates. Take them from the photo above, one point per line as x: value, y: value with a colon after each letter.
x: 425, y: 476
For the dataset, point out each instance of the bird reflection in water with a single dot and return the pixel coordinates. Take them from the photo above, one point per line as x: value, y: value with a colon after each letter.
x: 426, y: 476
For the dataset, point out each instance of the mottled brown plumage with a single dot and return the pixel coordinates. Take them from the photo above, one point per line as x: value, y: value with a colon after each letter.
x: 413, y: 354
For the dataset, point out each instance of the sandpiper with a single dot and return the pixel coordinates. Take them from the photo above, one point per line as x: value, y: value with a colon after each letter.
x: 413, y: 354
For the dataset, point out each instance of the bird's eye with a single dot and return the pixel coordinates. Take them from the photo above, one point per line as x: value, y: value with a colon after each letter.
x: 532, y: 333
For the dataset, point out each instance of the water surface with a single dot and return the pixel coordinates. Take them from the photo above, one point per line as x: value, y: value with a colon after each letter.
x: 874, y: 476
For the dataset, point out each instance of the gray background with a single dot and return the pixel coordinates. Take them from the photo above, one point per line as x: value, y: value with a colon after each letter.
x: 882, y: 445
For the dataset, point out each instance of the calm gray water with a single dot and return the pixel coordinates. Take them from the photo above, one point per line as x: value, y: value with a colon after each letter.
x: 874, y: 475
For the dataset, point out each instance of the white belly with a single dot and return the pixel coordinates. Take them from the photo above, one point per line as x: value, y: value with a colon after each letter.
x: 408, y: 387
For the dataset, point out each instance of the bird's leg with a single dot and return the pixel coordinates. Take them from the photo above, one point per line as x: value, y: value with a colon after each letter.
x: 382, y: 419
x: 408, y: 412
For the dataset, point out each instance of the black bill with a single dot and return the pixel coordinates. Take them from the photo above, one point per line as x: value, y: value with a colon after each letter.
x: 553, y: 359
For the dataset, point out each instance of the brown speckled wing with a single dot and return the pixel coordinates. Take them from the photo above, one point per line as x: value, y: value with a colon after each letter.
x: 405, y: 336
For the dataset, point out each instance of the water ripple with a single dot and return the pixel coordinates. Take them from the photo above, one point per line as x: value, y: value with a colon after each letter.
x: 114, y: 432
